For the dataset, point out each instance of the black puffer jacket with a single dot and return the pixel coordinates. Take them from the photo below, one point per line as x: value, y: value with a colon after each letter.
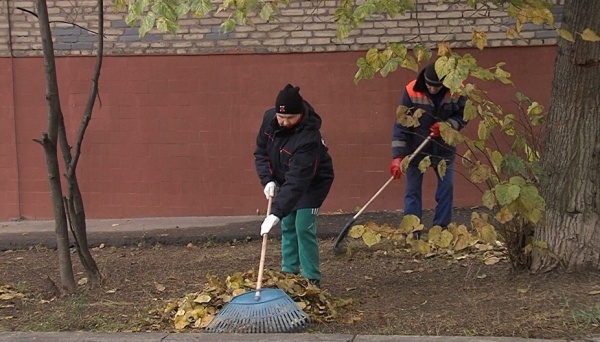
x: 296, y: 160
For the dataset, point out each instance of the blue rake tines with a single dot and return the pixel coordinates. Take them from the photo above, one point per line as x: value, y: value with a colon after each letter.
x: 273, y: 312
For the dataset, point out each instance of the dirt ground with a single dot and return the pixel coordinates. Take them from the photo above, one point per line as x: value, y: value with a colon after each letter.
x: 395, y: 293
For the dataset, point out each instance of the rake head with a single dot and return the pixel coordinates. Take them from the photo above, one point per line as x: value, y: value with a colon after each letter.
x: 273, y: 312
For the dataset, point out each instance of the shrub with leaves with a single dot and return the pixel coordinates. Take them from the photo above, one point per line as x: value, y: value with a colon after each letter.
x: 197, y: 310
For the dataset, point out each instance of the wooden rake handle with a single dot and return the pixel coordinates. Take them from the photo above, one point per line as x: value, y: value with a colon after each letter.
x: 263, y: 253
x: 410, y: 158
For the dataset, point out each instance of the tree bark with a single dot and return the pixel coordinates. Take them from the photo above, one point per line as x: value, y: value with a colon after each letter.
x: 49, y: 142
x: 571, y: 153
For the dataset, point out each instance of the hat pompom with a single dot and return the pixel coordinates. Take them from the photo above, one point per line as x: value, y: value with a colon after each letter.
x: 289, y: 101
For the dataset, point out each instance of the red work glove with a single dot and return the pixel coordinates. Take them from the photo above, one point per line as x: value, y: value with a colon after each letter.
x: 395, y: 170
x: 435, y: 130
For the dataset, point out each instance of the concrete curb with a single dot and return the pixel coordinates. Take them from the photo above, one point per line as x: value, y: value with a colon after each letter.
x: 205, y: 337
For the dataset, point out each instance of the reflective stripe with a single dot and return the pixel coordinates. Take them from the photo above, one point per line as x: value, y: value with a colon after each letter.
x: 398, y: 143
x: 453, y: 123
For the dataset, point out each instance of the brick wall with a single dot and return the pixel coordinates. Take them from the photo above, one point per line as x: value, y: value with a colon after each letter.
x: 175, y: 134
x: 304, y: 26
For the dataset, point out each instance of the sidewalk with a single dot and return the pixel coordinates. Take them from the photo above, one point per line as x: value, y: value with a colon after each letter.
x: 118, y: 232
x: 206, y: 337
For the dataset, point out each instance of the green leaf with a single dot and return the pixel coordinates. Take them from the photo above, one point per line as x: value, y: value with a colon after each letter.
x: 422, y: 53
x: 507, y: 193
x: 470, y: 111
x: 147, y: 23
x: 539, y: 172
x: 488, y: 199
x: 513, y: 164
x: 530, y: 198
x: 483, y: 131
x: 390, y: 66
x: 227, y: 26
x: 517, y: 180
x: 496, y: 158
x: 501, y: 75
x: 266, y: 12
x: 373, y: 58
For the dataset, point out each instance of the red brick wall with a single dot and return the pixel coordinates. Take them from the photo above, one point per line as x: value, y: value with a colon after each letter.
x: 175, y: 134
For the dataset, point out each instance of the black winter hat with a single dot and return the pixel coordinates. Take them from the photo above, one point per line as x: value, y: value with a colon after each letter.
x: 431, y: 77
x: 289, y: 101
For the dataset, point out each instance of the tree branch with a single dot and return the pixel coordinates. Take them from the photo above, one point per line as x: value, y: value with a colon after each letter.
x: 59, y: 21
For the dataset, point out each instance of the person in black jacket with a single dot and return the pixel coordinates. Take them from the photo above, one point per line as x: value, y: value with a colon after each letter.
x: 427, y: 92
x: 295, y: 169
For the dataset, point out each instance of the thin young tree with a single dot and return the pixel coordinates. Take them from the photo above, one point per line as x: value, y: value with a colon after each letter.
x: 68, y: 210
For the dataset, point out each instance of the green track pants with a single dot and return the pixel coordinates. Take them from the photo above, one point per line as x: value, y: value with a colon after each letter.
x: 299, y: 244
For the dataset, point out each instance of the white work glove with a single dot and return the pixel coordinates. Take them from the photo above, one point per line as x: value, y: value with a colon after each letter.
x: 270, y: 189
x: 269, y: 222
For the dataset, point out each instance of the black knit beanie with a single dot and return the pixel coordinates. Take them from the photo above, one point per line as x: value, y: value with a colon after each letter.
x: 289, y: 101
x: 431, y: 77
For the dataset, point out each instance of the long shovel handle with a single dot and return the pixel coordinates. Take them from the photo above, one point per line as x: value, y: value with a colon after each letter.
x: 344, y: 232
x: 263, y: 253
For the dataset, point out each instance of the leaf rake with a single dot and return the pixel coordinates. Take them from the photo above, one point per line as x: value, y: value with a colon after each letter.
x: 263, y: 311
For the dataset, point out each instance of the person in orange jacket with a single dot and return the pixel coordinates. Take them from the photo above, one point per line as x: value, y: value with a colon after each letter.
x: 428, y: 93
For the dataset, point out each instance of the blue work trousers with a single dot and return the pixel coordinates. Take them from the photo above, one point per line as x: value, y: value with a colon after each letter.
x: 444, y: 195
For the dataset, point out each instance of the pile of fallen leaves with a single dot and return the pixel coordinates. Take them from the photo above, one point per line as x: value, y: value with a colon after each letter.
x: 457, y: 242
x: 8, y: 293
x: 197, y: 310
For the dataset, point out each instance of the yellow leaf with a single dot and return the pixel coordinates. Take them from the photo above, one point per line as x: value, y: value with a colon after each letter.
x: 238, y: 292
x: 444, y: 49
x: 479, y: 38
x: 504, y: 215
x: 356, y: 231
x: 204, y: 321
x: 424, y: 164
x: 181, y: 322
x: 566, y: 35
x: 203, y: 298
x: 371, y: 239
x: 7, y: 296
x: 491, y: 261
x: 421, y: 247
x: 441, y: 168
x: 159, y: 287
x: 408, y: 223
x: 82, y: 281
x: 590, y: 36
x: 488, y: 234
x: 522, y: 289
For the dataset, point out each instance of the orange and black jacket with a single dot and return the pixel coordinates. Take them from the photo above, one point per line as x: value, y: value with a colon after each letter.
x: 296, y: 159
x: 440, y: 107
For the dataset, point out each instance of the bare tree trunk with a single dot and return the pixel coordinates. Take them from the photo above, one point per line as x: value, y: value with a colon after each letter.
x: 571, y: 154
x: 74, y: 203
x: 49, y: 142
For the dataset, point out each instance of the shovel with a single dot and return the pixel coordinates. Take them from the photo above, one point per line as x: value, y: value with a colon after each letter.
x: 337, y: 245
